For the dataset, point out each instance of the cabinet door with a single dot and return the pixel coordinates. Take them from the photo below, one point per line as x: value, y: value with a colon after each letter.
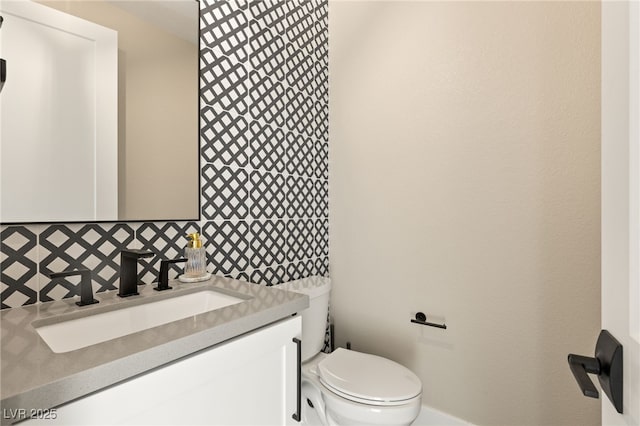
x: 250, y: 380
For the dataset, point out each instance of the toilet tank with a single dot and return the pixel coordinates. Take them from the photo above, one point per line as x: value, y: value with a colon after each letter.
x: 314, y: 318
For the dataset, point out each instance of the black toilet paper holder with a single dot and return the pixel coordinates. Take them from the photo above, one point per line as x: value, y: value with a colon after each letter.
x: 421, y: 319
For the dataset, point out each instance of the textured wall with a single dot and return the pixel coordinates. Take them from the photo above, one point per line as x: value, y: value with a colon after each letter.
x: 465, y: 138
x: 264, y: 165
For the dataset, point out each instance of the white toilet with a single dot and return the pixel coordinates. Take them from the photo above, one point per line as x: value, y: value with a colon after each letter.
x: 348, y: 387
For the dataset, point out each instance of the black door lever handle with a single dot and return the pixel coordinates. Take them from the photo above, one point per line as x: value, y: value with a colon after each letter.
x: 580, y: 366
x: 607, y: 365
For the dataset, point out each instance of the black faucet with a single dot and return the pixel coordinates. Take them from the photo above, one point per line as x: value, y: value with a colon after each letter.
x: 86, y: 291
x: 163, y: 278
x: 129, y: 271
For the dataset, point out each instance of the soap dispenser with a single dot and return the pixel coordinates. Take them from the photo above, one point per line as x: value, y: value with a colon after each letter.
x: 196, y: 257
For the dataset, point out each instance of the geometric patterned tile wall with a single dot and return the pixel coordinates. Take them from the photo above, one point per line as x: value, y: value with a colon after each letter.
x: 18, y: 266
x: 264, y: 165
x: 29, y: 253
x: 264, y: 136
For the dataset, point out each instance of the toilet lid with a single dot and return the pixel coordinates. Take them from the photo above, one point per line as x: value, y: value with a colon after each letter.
x: 368, y: 378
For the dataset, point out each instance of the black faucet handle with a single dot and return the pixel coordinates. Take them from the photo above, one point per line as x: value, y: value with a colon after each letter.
x: 71, y: 272
x: 86, y: 289
x: 129, y: 270
x: 163, y: 277
x: 136, y: 253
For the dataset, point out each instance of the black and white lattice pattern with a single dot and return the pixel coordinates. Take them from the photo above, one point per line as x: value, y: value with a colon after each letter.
x: 300, y: 113
x: 224, y: 138
x: 228, y: 249
x: 93, y: 246
x: 225, y: 193
x: 268, y: 99
x: 301, y: 29
x: 327, y: 347
x: 301, y: 269
x: 272, y: 13
x: 300, y: 71
x: 300, y: 155
x: 321, y: 85
x: 223, y: 84
x: 269, y: 276
x: 18, y: 269
x: 300, y: 197
x: 300, y: 239
x: 268, y: 147
x: 321, y: 162
x: 268, y: 50
x: 322, y: 44
x: 268, y: 243
x: 321, y: 237
x: 321, y: 118
x: 321, y: 198
x: 322, y: 15
x: 268, y: 198
x: 167, y: 240
x: 322, y: 266
x: 223, y: 28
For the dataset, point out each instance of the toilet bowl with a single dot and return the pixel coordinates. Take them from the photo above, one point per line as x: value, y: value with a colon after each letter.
x: 348, y: 387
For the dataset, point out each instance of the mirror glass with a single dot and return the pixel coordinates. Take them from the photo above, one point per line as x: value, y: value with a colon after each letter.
x: 99, y: 115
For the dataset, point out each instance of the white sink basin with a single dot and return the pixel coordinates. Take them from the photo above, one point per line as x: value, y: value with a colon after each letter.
x: 86, y: 331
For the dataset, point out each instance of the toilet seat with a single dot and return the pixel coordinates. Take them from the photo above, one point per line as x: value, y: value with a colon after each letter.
x: 368, y: 379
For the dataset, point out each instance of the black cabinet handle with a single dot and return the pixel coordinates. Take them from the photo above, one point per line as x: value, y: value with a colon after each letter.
x: 607, y: 365
x: 3, y: 73
x: 297, y: 415
x: 3, y: 64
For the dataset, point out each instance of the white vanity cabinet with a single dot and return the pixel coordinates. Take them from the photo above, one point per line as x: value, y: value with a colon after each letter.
x: 249, y: 380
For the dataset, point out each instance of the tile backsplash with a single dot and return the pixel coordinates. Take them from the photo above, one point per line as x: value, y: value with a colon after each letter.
x: 263, y: 159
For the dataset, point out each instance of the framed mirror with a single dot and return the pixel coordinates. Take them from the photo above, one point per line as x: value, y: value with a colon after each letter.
x: 99, y: 114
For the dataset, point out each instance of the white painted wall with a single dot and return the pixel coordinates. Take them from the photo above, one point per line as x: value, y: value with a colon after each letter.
x: 465, y: 183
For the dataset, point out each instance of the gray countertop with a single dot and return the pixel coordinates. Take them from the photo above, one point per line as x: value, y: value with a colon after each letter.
x: 34, y: 377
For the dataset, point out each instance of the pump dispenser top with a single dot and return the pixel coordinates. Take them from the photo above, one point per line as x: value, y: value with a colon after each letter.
x: 194, y: 240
